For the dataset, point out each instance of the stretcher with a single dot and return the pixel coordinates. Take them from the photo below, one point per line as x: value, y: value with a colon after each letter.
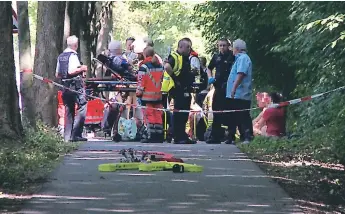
x: 96, y: 86
x: 111, y: 81
x: 125, y: 76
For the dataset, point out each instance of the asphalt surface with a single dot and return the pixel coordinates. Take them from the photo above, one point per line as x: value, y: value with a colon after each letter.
x: 230, y: 183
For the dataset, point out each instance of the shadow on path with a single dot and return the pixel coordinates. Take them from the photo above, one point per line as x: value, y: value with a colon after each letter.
x: 230, y: 183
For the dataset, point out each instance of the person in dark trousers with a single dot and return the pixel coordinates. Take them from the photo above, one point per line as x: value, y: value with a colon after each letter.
x: 222, y: 62
x: 239, y: 93
x: 179, y: 69
x: 70, y: 71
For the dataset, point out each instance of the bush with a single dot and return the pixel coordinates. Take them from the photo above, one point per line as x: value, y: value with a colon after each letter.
x: 287, y: 161
x: 322, y: 145
x: 32, y: 160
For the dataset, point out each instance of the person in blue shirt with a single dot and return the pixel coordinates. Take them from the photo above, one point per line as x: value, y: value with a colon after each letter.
x: 239, y: 93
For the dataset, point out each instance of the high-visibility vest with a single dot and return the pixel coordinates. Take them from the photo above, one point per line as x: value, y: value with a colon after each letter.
x: 151, y: 82
x: 168, y: 82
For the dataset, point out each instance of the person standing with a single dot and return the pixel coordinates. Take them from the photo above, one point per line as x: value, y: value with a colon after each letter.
x: 150, y: 76
x: 222, y: 62
x: 129, y: 54
x: 179, y: 70
x: 239, y: 93
x: 70, y: 71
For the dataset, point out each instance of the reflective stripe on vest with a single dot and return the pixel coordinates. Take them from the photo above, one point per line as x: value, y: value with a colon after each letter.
x: 151, y: 96
x: 168, y: 82
x: 148, y: 72
x: 178, y: 63
x: 152, y: 87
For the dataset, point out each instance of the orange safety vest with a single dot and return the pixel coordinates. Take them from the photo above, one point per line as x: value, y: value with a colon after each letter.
x: 150, y: 82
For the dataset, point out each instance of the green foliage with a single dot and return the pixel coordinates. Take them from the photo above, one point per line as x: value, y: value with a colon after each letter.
x: 261, y: 25
x: 311, y: 49
x: 164, y: 22
x: 296, y: 48
x: 31, y: 161
x: 307, y: 168
x: 323, y: 145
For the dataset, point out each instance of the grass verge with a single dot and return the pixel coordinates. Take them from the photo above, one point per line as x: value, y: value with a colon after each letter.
x: 309, y: 169
x: 24, y: 167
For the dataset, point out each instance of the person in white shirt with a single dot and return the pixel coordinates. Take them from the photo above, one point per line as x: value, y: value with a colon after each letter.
x: 70, y: 71
x: 129, y: 54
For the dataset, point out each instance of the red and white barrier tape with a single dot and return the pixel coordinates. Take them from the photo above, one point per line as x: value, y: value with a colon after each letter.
x: 45, y: 80
x: 303, y: 99
x: 282, y: 104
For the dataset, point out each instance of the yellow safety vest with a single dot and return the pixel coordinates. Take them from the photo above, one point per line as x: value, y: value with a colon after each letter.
x: 168, y: 82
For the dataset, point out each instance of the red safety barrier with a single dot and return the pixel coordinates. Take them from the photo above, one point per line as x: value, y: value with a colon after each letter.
x: 94, y: 113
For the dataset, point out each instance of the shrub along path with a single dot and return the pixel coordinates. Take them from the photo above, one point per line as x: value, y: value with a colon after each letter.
x: 310, y: 170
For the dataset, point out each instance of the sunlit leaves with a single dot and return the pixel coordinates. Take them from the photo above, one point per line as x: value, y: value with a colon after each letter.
x: 164, y: 22
x: 260, y: 24
x: 295, y: 46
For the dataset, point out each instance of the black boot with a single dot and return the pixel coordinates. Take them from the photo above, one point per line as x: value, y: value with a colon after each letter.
x: 150, y: 132
x: 159, y: 133
x: 116, y: 137
x: 144, y: 136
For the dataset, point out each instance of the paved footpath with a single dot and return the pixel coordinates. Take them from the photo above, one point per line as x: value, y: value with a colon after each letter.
x: 230, y: 183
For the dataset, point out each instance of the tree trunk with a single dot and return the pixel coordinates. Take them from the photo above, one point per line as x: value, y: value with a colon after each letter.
x: 101, y: 28
x: 85, y: 52
x: 67, y: 24
x: 87, y: 12
x: 105, y: 21
x: 50, y: 21
x: 10, y: 119
x: 25, y: 63
x: 75, y: 17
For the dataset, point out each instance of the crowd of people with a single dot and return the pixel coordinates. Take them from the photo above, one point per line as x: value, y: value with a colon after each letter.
x: 182, y: 81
